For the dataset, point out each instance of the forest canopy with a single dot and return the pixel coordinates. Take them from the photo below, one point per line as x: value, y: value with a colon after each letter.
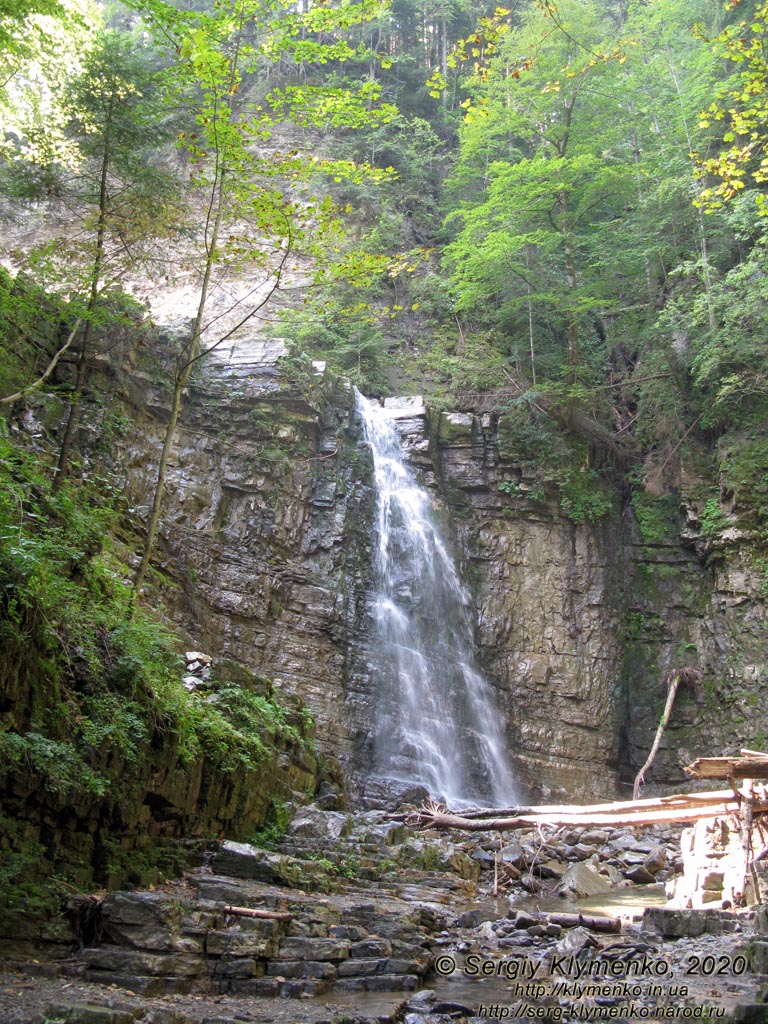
x: 556, y: 206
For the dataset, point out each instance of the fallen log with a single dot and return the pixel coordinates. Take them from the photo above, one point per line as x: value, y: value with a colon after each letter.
x: 269, y: 915
x: 648, y: 803
x: 427, y: 818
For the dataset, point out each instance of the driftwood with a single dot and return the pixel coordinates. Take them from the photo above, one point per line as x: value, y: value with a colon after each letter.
x: 676, y: 678
x: 674, y: 800
x: 269, y: 915
x: 680, y: 807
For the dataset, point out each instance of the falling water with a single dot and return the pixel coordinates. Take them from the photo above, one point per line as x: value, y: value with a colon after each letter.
x: 436, y: 721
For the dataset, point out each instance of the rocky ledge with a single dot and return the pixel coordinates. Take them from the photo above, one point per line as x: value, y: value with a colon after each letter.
x: 355, y: 919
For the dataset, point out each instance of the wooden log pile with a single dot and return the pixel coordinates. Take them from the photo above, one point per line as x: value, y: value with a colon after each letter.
x: 750, y: 764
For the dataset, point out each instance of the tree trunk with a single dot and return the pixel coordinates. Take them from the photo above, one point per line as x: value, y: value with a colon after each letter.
x: 18, y: 395
x: 183, y: 373
x: 671, y: 693
x: 98, y: 260
x: 681, y: 807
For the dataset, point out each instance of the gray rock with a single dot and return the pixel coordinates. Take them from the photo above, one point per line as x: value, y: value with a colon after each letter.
x: 581, y: 881
x: 531, y: 884
x: 639, y: 875
x: 147, y: 920
x: 594, y: 836
x: 391, y: 794
x: 758, y: 956
x: 551, y: 869
x: 421, y: 1000
x: 677, y: 923
x: 361, y: 968
x: 656, y: 860
x: 130, y: 961
x: 241, y: 860
x: 372, y: 947
x: 86, y: 1013
x: 300, y: 948
x: 313, y: 823
x: 575, y: 940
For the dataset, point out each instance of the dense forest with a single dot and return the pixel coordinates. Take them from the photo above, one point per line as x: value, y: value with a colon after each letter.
x: 556, y: 210
x: 553, y: 211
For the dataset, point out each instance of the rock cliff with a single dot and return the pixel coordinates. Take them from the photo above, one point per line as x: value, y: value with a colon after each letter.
x: 265, y: 557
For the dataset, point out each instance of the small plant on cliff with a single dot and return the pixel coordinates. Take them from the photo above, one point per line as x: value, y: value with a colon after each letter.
x: 713, y: 519
x: 272, y: 831
x: 91, y: 703
x: 656, y: 517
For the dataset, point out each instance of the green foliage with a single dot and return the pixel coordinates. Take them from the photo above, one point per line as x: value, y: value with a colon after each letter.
x: 713, y: 519
x: 57, y: 765
x: 272, y: 832
x: 237, y: 728
x: 20, y: 857
x: 656, y: 517
x: 743, y: 459
x: 30, y: 326
x: 741, y: 107
x: 583, y: 496
x: 560, y: 465
x: 99, y: 688
x: 343, y: 331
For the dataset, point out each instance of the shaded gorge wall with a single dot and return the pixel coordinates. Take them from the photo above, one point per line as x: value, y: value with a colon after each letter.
x: 265, y: 557
x: 579, y: 625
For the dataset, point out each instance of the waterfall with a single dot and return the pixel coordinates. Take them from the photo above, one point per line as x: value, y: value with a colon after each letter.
x: 436, y: 722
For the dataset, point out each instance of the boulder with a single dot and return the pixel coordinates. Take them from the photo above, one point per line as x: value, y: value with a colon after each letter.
x: 575, y: 940
x: 313, y: 823
x: 656, y: 860
x: 639, y: 875
x: 580, y: 881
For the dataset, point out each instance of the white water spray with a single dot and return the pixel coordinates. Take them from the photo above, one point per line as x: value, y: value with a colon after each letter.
x: 436, y: 720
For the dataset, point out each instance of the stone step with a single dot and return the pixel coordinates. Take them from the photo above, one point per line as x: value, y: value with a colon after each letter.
x: 177, y: 942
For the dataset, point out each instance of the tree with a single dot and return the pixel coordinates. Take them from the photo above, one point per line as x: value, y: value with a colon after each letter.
x: 105, y: 180
x: 255, y: 212
x: 40, y: 43
x: 742, y: 106
x: 123, y: 199
x: 541, y: 180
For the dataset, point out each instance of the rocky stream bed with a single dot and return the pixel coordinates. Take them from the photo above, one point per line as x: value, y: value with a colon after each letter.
x: 370, y: 922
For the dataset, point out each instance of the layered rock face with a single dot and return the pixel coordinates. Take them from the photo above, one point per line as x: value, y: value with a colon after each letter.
x: 548, y: 609
x: 266, y: 551
x: 579, y: 626
x: 266, y: 532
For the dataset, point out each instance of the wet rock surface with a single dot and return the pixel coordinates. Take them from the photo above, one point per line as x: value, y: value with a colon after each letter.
x: 373, y: 923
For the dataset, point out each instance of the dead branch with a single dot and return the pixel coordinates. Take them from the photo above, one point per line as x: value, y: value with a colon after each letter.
x: 748, y: 766
x: 269, y: 915
x: 672, y: 801
x: 596, y: 922
x: 681, y: 807
x: 51, y: 367
x: 674, y: 680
